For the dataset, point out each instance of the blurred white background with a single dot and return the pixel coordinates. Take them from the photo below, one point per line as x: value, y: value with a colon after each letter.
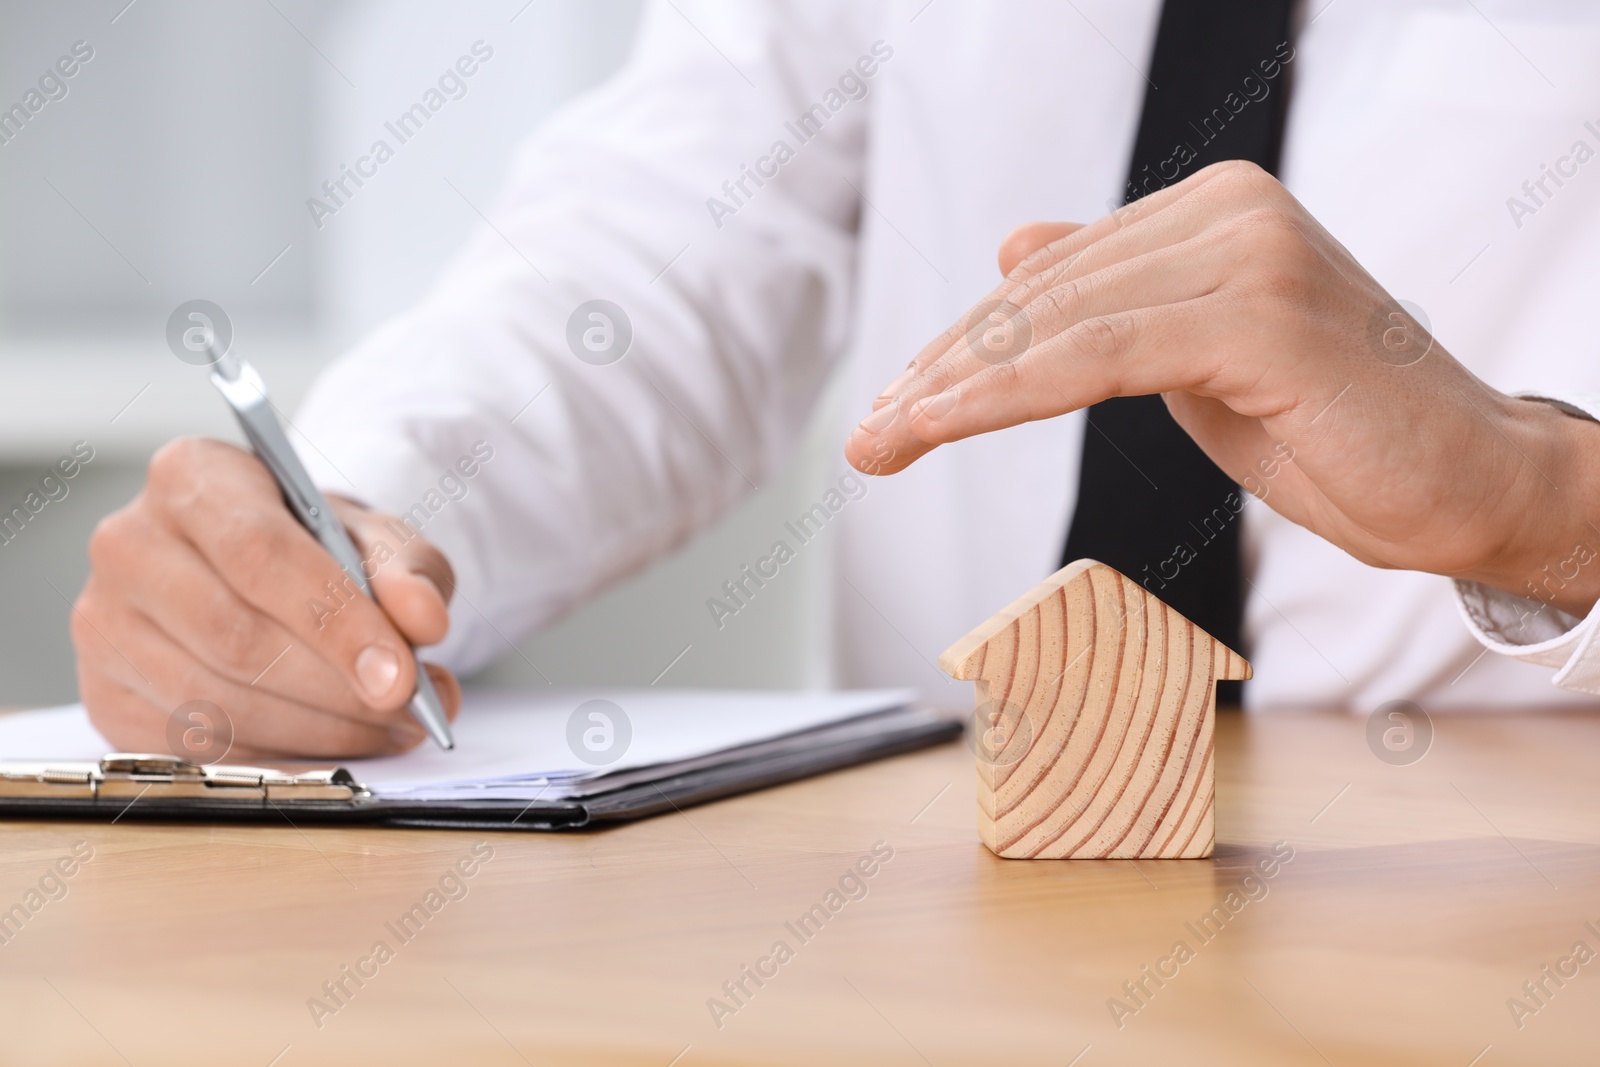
x: 178, y: 166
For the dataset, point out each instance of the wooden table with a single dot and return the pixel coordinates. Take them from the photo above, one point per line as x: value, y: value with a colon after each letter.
x: 1418, y: 900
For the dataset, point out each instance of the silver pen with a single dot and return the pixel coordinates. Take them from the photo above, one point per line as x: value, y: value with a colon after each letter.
x: 242, y: 387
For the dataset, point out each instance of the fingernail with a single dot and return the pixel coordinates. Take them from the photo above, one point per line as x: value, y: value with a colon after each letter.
x: 935, y: 407
x: 879, y: 420
x: 406, y: 736
x: 899, y: 383
x: 377, y: 667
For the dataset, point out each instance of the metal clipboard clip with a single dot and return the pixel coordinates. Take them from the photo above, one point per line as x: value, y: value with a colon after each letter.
x: 127, y: 776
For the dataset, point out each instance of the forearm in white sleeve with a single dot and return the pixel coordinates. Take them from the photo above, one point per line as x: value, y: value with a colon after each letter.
x: 1530, y: 629
x: 737, y: 315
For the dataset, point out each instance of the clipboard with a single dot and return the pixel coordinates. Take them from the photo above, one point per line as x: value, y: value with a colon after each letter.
x: 152, y: 787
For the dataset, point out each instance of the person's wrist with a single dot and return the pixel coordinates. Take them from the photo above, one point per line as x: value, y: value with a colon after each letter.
x: 1546, y: 531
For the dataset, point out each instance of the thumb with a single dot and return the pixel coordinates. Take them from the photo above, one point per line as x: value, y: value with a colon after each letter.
x: 1028, y: 238
x: 411, y: 579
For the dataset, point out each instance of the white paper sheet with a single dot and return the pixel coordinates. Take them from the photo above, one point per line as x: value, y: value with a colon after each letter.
x: 517, y: 743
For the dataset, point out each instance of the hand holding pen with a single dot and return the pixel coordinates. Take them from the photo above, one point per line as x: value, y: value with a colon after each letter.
x: 245, y: 392
x: 200, y: 590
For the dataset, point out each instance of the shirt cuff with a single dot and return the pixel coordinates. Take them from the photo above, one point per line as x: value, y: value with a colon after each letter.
x: 1528, y: 629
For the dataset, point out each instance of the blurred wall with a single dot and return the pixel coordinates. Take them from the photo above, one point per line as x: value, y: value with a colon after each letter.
x: 175, y: 163
x: 167, y: 170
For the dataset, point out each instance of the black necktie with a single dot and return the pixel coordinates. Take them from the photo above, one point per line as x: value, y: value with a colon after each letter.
x: 1150, y: 502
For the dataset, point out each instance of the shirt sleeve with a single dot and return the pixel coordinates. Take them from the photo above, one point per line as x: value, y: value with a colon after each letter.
x: 1529, y: 629
x: 710, y: 195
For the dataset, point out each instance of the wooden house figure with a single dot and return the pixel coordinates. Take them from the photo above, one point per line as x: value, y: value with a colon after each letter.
x: 1096, y: 710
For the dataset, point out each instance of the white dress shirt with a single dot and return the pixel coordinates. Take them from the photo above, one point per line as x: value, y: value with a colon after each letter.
x: 1412, y: 125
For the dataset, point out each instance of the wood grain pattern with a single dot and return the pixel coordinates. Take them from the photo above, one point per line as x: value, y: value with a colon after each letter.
x: 1393, y: 938
x: 1096, y: 705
